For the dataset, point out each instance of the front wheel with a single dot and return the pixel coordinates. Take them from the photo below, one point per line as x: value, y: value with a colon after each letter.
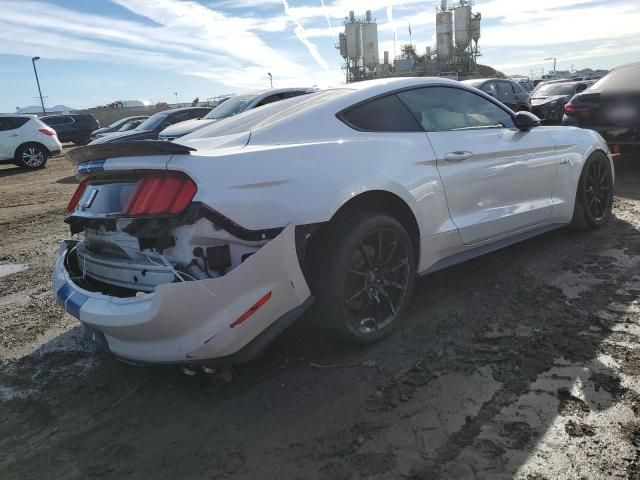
x: 594, y: 197
x: 368, y: 277
x: 32, y: 156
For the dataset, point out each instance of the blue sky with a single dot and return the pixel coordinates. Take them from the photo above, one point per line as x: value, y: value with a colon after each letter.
x: 94, y: 52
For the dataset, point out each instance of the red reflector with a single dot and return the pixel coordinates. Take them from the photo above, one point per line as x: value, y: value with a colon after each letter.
x: 161, y: 194
x: 48, y: 131
x: 73, y: 203
x: 252, y: 310
x: 615, y: 148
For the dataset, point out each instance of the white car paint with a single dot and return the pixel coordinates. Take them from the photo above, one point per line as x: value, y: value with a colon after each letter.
x: 295, y: 163
x: 12, y: 139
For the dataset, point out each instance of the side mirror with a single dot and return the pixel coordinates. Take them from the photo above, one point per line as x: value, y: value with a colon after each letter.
x: 525, y: 121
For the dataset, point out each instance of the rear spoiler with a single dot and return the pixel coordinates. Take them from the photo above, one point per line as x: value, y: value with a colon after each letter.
x: 139, y: 148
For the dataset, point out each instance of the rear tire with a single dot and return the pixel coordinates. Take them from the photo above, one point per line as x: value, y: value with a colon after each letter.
x: 368, y: 276
x: 594, y: 196
x: 32, y: 156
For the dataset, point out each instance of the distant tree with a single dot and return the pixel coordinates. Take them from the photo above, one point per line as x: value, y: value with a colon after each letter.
x: 195, y: 101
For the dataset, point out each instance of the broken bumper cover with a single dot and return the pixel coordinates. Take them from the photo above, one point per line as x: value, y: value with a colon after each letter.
x: 192, y: 321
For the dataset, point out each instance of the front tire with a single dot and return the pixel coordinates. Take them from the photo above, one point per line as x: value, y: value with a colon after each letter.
x: 368, y: 276
x: 32, y: 156
x: 594, y: 197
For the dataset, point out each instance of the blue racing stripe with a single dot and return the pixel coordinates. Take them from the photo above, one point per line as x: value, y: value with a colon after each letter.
x: 71, y: 300
x: 92, y: 166
x: 63, y: 293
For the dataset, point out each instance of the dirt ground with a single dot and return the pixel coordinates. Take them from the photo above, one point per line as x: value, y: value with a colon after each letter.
x: 521, y: 364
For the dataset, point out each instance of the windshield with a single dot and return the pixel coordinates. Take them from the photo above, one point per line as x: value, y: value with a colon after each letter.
x: 556, y: 89
x: 127, y: 126
x: 231, y: 107
x: 117, y: 123
x: 153, y: 121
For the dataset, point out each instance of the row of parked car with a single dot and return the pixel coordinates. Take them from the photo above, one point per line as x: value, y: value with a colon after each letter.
x: 604, y: 105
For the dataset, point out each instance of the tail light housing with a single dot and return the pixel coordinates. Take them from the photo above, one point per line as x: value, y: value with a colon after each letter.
x: 73, y: 203
x: 572, y: 109
x: 48, y: 131
x: 161, y: 193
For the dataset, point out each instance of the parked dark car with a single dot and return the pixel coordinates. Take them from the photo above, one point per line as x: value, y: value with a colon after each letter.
x: 507, y: 91
x: 117, y: 126
x: 611, y: 106
x: 152, y: 126
x: 549, y: 100
x: 74, y: 128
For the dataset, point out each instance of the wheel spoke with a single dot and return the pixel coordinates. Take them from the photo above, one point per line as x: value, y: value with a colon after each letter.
x: 366, y: 256
x: 357, y: 272
x: 360, y: 292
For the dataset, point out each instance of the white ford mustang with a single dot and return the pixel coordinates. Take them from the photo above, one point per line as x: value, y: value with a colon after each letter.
x: 204, y: 251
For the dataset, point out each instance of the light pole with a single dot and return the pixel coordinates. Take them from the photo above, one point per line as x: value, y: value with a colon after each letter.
x: 554, y: 64
x: 33, y: 60
x: 270, y: 79
x: 176, y: 94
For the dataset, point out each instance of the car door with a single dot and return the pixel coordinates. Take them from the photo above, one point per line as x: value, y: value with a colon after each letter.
x: 497, y: 179
x: 10, y: 136
x: 521, y: 97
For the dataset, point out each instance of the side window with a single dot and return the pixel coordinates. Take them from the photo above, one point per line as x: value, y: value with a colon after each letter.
x: 442, y: 109
x: 490, y: 88
x: 270, y: 99
x: 386, y: 114
x: 16, y: 122
x: 11, y: 123
x: 293, y: 94
x: 504, y: 89
x: 179, y: 117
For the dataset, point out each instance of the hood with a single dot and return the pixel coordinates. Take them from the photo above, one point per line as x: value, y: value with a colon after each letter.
x: 541, y: 100
x: 188, y: 126
x: 126, y: 136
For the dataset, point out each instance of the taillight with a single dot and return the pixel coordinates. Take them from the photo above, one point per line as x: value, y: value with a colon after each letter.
x: 73, y: 203
x: 48, y: 131
x: 572, y: 110
x: 161, y: 194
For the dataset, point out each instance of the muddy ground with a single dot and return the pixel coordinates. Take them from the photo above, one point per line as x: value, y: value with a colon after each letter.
x: 521, y: 364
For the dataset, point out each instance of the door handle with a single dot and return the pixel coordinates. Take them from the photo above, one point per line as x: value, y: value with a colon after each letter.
x: 457, y: 156
x: 14, y: 135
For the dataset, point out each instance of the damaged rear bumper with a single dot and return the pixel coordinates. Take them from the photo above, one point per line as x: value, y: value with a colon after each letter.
x: 193, y: 321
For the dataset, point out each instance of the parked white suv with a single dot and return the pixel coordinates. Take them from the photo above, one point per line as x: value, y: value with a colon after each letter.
x: 27, y: 141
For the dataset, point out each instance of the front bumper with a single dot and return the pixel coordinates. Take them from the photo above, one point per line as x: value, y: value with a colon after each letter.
x: 191, y: 322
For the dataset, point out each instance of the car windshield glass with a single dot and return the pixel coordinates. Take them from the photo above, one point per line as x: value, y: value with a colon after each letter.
x: 556, y: 89
x: 623, y: 78
x: 153, y: 121
x: 231, y: 107
x: 126, y: 126
x: 117, y: 123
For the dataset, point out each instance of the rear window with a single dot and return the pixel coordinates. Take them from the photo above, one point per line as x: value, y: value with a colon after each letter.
x: 386, y: 114
x: 622, y: 78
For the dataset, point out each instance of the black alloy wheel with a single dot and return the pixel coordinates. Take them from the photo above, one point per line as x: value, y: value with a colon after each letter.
x: 594, y: 197
x: 368, y: 276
